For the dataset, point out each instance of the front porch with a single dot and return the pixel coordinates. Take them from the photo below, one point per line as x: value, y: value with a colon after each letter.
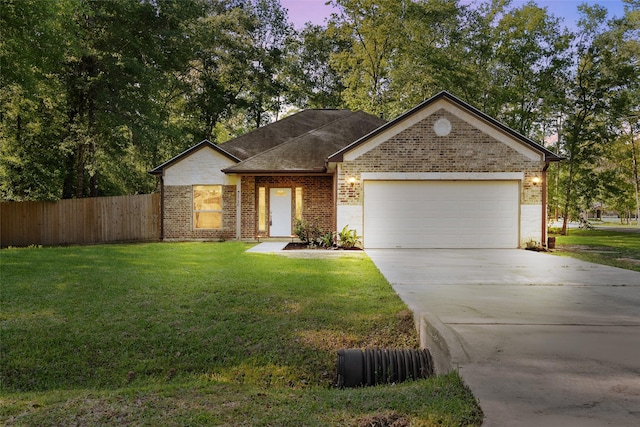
x: 270, y: 205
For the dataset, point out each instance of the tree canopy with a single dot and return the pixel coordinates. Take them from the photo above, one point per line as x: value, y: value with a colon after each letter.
x: 95, y: 93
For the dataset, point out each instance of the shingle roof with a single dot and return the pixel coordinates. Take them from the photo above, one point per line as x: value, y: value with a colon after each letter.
x: 308, y: 152
x: 274, y: 134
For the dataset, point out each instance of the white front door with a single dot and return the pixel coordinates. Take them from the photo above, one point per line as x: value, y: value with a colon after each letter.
x: 280, y: 212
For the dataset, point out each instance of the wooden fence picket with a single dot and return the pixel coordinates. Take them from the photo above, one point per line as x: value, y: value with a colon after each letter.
x: 81, y: 221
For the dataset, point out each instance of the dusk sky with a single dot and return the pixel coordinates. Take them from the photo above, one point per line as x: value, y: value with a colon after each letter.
x: 315, y: 11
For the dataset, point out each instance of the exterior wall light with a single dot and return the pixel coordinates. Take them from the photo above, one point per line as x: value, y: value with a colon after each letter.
x: 351, y: 180
x: 536, y: 180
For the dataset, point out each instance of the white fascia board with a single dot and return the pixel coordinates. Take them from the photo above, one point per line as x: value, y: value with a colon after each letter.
x: 442, y: 176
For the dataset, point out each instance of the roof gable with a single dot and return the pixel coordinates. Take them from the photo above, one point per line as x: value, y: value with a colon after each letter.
x: 202, y: 144
x: 460, y: 109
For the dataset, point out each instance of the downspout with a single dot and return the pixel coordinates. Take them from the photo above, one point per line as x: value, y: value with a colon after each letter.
x: 544, y: 203
x: 335, y: 199
x: 162, y: 205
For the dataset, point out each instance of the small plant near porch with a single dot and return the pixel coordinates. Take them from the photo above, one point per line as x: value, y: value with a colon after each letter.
x: 348, y: 238
x: 313, y: 236
x: 310, y: 233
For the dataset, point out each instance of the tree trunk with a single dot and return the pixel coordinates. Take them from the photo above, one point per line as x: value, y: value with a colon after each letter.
x: 636, y: 183
x: 80, y: 172
x: 565, y: 211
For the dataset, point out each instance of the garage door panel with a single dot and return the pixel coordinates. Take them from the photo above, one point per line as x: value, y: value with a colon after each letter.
x: 441, y: 214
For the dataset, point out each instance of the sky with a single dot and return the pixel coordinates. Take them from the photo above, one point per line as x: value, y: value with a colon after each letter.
x: 316, y: 11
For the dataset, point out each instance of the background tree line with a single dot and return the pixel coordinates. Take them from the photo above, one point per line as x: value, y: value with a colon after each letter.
x: 93, y: 94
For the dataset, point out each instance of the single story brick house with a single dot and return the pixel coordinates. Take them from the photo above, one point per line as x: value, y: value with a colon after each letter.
x: 442, y: 175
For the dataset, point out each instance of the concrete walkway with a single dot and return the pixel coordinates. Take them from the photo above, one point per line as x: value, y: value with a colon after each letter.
x: 541, y: 340
x: 268, y: 247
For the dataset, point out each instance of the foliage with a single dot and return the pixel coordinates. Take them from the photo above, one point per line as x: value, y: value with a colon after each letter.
x: 598, y: 82
x: 311, y: 79
x: 327, y: 240
x: 97, y: 93
x: 312, y: 234
x: 200, y: 334
x: 348, y: 238
x: 369, y: 29
x: 308, y: 231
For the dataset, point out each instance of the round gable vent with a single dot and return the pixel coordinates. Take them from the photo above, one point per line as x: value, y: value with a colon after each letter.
x: 442, y: 127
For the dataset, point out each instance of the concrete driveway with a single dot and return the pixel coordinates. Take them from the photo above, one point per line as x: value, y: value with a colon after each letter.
x: 541, y: 340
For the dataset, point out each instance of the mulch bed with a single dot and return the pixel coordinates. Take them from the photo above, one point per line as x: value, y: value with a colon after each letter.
x: 297, y: 246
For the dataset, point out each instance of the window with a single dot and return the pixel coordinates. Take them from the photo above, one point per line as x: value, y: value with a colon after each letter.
x: 299, y: 203
x: 207, y: 206
x: 262, y: 209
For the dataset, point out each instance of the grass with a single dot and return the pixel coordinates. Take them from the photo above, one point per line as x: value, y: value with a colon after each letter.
x: 202, y: 334
x: 614, y: 248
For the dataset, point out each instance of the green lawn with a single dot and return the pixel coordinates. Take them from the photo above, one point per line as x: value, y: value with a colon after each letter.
x: 618, y: 249
x: 202, y: 334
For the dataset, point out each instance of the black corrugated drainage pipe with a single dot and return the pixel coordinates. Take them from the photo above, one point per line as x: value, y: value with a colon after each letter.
x: 368, y: 367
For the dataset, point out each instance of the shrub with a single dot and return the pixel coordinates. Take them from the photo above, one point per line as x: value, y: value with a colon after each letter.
x: 348, y: 238
x: 328, y: 239
x: 308, y: 232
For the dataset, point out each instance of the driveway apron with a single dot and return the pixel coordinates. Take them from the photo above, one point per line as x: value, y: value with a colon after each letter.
x: 541, y: 340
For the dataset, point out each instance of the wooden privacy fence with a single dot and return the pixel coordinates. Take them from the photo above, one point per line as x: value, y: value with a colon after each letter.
x: 80, y: 221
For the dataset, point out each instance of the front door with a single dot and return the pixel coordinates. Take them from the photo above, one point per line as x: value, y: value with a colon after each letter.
x: 280, y: 212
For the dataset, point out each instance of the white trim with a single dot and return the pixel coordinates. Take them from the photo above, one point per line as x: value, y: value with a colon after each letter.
x: 443, y: 104
x: 239, y: 207
x: 351, y: 215
x: 530, y: 224
x: 442, y: 176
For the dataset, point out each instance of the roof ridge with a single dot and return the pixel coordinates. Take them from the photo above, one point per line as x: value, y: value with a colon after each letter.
x: 273, y: 134
x: 290, y: 140
x: 342, y: 130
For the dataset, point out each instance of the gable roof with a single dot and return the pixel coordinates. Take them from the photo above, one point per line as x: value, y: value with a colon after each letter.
x: 202, y: 144
x: 548, y: 155
x: 307, y: 153
x: 276, y: 133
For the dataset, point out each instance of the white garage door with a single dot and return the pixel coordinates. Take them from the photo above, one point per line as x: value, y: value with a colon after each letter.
x: 441, y: 214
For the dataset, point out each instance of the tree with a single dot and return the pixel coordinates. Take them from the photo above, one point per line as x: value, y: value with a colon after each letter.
x: 430, y: 53
x: 623, y: 69
x: 585, y: 124
x: 370, y: 32
x: 532, y: 56
x: 35, y: 35
x: 217, y: 76
x: 266, y: 90
x: 311, y: 79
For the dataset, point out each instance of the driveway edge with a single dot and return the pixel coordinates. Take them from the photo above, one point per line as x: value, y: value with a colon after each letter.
x: 443, y: 344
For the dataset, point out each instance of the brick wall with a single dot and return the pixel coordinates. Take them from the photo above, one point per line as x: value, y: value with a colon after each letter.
x: 419, y: 149
x: 178, y: 215
x: 317, y: 197
x: 249, y: 202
